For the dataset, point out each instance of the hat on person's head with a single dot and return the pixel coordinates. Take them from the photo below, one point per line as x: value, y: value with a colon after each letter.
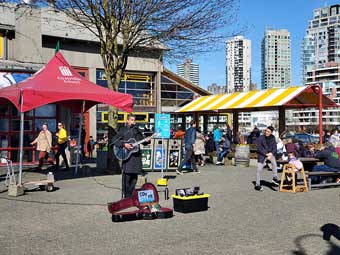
x: 270, y: 128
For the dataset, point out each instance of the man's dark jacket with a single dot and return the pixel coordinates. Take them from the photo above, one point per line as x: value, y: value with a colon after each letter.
x: 190, y: 137
x: 265, y: 145
x: 330, y: 157
x: 132, y: 165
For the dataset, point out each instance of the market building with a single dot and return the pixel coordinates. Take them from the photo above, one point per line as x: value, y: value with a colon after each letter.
x: 28, y: 38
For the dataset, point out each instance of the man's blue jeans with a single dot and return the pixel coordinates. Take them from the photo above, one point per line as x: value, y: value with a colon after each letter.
x: 217, y: 145
x: 324, y: 168
x: 221, y: 154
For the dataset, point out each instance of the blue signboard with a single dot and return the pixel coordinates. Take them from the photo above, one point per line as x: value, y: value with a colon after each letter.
x: 163, y: 125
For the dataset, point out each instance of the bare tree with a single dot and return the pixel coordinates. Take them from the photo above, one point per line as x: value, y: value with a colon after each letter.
x: 183, y: 27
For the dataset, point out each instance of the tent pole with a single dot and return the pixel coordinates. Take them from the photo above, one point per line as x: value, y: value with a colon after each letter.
x: 320, y: 114
x: 21, y: 144
x: 79, y: 136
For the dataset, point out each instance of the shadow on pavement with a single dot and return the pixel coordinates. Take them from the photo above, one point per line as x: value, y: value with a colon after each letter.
x: 328, y: 230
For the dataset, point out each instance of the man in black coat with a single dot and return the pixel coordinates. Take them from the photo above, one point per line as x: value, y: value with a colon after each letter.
x: 266, y: 150
x: 132, y: 166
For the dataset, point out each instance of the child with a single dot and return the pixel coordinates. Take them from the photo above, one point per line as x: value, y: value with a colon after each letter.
x: 293, y: 160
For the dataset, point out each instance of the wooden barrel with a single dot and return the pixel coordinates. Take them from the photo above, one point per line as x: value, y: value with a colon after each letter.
x: 242, y: 153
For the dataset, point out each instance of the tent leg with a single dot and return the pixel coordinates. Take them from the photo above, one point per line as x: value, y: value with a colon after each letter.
x: 21, y: 147
x: 18, y: 189
x: 320, y: 114
x: 79, y: 136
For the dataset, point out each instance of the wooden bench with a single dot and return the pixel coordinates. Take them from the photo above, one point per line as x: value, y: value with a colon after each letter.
x: 321, y: 174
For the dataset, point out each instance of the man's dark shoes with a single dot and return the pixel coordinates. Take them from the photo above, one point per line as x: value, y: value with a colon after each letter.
x: 258, y: 187
x: 275, y: 181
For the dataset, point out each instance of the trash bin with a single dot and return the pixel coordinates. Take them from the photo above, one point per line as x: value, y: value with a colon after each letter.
x: 101, y: 159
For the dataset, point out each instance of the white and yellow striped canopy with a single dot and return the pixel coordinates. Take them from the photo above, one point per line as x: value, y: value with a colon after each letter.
x: 258, y: 99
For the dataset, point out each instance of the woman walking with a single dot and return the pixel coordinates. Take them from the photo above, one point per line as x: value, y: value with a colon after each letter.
x: 62, y: 144
x: 44, y: 144
x: 199, y: 147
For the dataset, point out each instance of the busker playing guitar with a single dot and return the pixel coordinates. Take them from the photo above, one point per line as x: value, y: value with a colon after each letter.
x: 132, y: 166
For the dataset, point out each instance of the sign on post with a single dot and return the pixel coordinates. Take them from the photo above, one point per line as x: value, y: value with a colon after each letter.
x: 162, y: 125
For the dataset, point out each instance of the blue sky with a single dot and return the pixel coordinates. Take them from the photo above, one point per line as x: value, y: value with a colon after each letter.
x: 257, y: 15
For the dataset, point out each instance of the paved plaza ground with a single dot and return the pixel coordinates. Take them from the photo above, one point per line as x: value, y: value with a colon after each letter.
x: 74, y: 219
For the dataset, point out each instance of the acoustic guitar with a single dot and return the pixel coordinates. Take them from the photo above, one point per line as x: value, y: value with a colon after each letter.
x: 123, y: 154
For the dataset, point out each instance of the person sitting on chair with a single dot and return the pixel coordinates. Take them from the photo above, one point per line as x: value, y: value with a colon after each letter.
x: 331, y: 159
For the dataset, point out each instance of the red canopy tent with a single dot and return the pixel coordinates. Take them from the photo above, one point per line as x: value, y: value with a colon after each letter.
x: 59, y: 83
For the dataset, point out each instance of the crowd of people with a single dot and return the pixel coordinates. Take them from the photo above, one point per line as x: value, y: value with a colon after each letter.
x: 198, y: 149
x: 270, y: 147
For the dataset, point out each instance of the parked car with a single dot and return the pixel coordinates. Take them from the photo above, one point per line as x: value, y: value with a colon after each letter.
x: 303, y: 137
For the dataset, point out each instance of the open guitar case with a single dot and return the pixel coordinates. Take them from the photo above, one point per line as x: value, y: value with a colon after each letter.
x: 146, y: 199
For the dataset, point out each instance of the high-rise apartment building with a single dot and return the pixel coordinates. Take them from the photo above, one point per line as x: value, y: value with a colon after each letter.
x: 189, y: 71
x: 216, y: 89
x: 322, y: 41
x: 276, y: 59
x: 329, y: 78
x: 321, y: 65
x: 238, y: 72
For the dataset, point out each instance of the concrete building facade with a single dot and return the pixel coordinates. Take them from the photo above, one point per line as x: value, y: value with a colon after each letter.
x: 238, y: 67
x: 276, y: 59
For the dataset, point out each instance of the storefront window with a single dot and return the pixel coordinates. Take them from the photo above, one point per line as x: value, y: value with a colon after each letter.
x: 51, y: 123
x: 48, y: 110
x: 3, y: 144
x: 174, y: 94
x: 140, y: 86
x: 16, y: 113
x: 16, y: 125
x: 4, y: 110
x: 4, y: 125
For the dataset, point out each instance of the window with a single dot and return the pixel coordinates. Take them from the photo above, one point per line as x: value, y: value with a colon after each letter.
x: 46, y: 111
